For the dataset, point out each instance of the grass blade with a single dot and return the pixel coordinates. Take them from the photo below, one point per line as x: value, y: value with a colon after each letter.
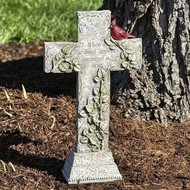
x: 24, y: 92
x: 12, y: 166
x: 7, y: 95
x: 10, y: 107
x: 9, y: 114
x: 19, y: 128
x: 3, y: 165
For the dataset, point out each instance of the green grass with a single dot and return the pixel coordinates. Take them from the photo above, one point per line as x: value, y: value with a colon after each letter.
x: 34, y: 20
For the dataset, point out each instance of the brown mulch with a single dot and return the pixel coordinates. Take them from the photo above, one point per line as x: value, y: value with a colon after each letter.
x: 37, y: 133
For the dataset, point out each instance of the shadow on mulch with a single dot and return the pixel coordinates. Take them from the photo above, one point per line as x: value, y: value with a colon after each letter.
x: 50, y: 165
x: 29, y: 71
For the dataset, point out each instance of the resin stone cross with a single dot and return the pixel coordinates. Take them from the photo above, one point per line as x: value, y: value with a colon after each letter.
x: 93, y: 57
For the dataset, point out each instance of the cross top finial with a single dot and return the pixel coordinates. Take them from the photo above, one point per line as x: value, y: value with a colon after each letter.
x: 92, y: 25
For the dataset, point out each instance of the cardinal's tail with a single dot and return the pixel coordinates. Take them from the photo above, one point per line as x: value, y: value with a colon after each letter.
x: 130, y: 36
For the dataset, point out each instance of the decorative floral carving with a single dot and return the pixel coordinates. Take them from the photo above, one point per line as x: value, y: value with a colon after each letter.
x: 64, y: 61
x: 127, y: 53
x: 93, y: 136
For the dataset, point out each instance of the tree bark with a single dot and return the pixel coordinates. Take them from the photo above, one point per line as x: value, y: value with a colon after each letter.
x: 160, y: 90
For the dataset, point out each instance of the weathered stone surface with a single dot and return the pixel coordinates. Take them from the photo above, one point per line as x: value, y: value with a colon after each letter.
x: 90, y: 167
x: 93, y: 57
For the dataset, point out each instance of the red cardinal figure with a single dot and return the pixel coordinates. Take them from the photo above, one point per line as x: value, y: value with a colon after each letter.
x: 118, y: 33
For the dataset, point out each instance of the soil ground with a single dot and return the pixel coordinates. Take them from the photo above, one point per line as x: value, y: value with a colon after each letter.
x: 37, y: 133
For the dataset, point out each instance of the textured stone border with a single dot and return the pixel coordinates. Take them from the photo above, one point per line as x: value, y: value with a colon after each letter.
x: 90, y: 168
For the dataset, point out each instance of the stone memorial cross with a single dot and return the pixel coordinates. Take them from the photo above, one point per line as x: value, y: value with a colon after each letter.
x: 93, y: 57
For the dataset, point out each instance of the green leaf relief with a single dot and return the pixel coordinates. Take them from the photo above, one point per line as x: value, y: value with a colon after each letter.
x: 132, y: 57
x: 103, y: 125
x: 129, y: 50
x: 83, y: 113
x: 99, y: 135
x: 105, y: 98
x: 95, y: 105
x: 108, y: 41
x: 62, y: 67
x: 101, y: 73
x: 103, y: 89
x: 84, y: 140
x: 95, y: 149
x: 96, y: 79
x: 89, y: 108
x: 95, y: 119
x: 89, y: 120
x: 96, y: 90
x: 58, y: 57
x: 71, y: 67
x: 111, y: 43
x: 127, y: 54
x: 96, y: 99
x: 93, y: 141
x: 66, y: 50
x: 125, y: 64
x: 122, y: 55
x: 93, y: 113
x: 91, y: 129
x: 112, y: 47
x: 76, y: 68
x: 64, y: 61
x: 104, y: 107
x: 75, y: 62
x: 85, y: 132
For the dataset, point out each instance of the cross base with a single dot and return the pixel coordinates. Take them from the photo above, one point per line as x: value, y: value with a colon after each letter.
x: 90, y: 167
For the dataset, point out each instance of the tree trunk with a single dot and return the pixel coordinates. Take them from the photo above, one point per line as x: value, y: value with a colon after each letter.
x: 160, y: 91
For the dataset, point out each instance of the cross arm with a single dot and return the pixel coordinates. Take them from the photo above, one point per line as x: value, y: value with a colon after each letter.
x: 60, y: 57
x: 128, y: 53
